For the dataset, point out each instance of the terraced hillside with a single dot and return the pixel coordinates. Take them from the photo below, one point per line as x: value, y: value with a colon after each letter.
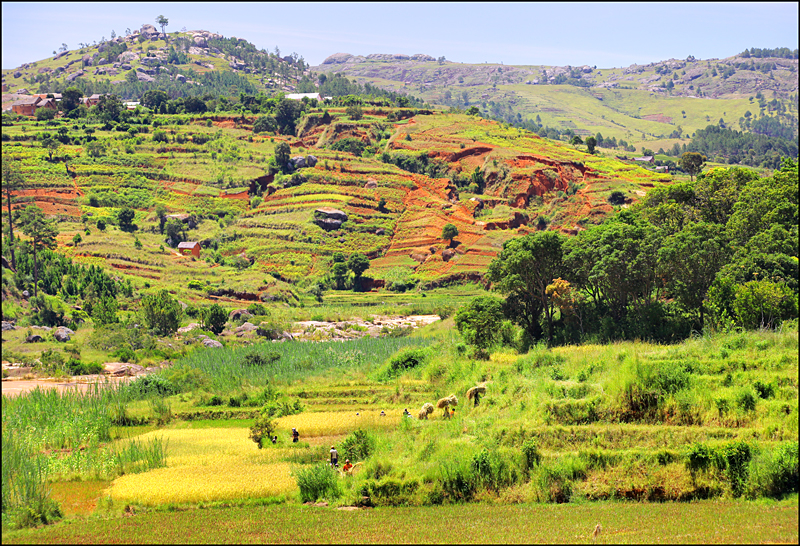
x: 212, y: 167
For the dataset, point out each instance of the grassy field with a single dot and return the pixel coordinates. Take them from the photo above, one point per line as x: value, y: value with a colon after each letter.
x: 622, y: 523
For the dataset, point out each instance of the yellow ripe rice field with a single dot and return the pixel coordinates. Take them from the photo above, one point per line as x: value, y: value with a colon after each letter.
x: 333, y: 423
x: 206, y: 465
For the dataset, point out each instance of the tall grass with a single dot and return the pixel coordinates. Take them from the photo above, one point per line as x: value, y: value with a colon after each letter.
x: 230, y: 370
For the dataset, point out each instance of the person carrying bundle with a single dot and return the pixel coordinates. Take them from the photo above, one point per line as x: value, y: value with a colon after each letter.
x: 295, y: 435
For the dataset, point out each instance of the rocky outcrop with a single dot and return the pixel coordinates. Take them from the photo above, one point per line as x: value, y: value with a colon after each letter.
x: 62, y: 334
x: 329, y: 218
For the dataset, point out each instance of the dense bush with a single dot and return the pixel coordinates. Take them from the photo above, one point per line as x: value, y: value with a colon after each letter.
x: 318, y: 481
x: 404, y: 360
x: 358, y: 445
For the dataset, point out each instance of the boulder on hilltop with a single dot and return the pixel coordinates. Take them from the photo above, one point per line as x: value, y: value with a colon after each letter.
x: 338, y: 58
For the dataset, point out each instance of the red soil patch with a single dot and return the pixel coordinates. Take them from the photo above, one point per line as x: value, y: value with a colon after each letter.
x: 51, y: 200
x: 661, y: 118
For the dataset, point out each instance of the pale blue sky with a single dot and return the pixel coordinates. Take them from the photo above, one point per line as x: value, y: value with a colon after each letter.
x: 602, y: 34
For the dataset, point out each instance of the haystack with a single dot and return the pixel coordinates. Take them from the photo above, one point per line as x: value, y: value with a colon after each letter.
x: 427, y: 409
x: 478, y: 389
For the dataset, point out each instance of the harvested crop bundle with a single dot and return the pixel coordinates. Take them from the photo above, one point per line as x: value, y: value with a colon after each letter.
x: 427, y: 409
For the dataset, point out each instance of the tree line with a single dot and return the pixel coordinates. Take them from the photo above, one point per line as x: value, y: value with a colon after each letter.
x: 719, y: 252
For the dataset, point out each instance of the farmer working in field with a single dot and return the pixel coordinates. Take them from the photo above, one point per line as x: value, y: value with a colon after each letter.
x: 334, y: 457
x: 295, y: 435
x: 347, y: 466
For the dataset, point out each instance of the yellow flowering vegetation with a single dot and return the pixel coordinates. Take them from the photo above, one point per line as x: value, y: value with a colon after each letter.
x: 208, y: 465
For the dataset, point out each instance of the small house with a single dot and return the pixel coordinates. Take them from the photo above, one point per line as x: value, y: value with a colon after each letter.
x: 26, y: 106
x: 645, y: 159
x: 94, y: 100
x: 189, y: 247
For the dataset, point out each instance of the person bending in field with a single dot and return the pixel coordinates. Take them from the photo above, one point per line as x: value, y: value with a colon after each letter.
x: 406, y: 413
x: 295, y: 435
x: 347, y: 466
x: 383, y: 414
x: 334, y: 457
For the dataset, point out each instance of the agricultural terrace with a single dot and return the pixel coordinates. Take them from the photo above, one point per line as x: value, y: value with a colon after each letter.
x: 213, y: 168
x: 561, y: 425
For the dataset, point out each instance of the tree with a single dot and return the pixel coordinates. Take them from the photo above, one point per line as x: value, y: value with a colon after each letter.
x: 473, y: 110
x: 70, y: 99
x: 162, y: 22
x: 354, y: 112
x: 339, y: 273
x: 161, y: 312
x: 51, y: 145
x: 12, y: 182
x: 479, y: 321
x: 523, y: 271
x: 161, y: 214
x: 154, y: 98
x: 692, y: 163
x: 110, y: 106
x: 104, y: 311
x: 762, y: 304
x: 42, y: 233
x: 214, y: 318
x: 125, y: 217
x: 591, y: 142
x: 358, y: 263
x: 283, y: 156
x: 175, y: 231
x: 449, y: 232
x: 576, y: 140
x: 690, y: 260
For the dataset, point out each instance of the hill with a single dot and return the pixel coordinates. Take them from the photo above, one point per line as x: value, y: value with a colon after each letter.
x: 652, y: 106
x: 491, y: 181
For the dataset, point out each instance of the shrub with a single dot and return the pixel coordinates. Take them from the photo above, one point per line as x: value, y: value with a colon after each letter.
x: 264, y: 427
x: 153, y: 384
x: 317, y: 482
x: 390, y: 491
x: 530, y: 455
x: 458, y: 480
x: 195, y: 285
x: 773, y: 471
x: 260, y: 359
x: 404, y: 360
x: 185, y: 378
x: 358, y: 445
x: 214, y: 318
x: 746, y: 399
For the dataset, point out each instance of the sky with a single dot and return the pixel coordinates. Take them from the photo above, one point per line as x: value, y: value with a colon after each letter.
x: 603, y: 34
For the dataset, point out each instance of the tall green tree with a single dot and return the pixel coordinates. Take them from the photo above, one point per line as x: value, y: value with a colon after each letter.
x: 162, y: 22
x: 522, y: 271
x: 357, y: 263
x: 161, y: 312
x: 449, y: 232
x: 42, y: 233
x: 591, y: 144
x: 214, y: 318
x: 70, y: 99
x: 282, y: 156
x: 692, y: 163
x: 13, y: 181
x: 479, y: 321
x: 125, y: 217
x: 690, y: 260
